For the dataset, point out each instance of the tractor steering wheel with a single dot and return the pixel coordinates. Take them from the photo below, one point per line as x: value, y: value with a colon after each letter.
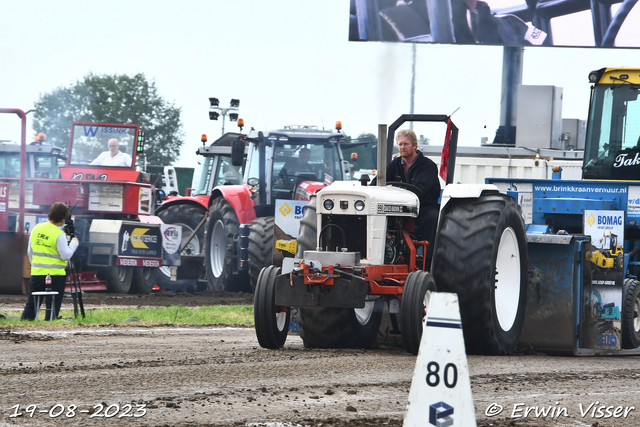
x: 415, y: 190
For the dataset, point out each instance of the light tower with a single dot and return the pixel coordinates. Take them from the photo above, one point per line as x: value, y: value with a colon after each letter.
x: 215, y: 110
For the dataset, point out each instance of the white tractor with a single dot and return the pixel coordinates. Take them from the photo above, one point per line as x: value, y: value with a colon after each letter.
x: 356, y: 253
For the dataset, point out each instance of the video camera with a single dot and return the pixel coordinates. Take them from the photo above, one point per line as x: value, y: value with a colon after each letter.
x: 69, y: 228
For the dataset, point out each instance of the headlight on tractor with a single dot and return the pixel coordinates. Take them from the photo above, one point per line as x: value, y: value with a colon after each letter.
x: 328, y: 204
x: 359, y: 205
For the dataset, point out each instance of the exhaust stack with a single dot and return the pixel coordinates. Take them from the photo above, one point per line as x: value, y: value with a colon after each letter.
x: 382, y: 156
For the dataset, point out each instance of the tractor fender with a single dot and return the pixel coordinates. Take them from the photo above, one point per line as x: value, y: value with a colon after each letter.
x: 464, y: 191
x: 239, y: 197
x: 200, y: 201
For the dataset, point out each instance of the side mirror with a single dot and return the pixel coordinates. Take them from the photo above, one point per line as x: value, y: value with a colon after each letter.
x: 237, y: 152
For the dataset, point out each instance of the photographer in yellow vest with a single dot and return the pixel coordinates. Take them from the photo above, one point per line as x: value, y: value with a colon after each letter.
x: 49, y: 252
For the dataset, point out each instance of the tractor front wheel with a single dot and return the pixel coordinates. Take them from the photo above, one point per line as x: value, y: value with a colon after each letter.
x: 118, y: 278
x: 222, y: 225
x: 271, y: 322
x: 480, y: 254
x: 188, y: 217
x: 144, y: 279
x: 415, y: 302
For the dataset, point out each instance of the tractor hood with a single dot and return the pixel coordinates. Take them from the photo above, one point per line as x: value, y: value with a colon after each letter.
x: 352, y: 198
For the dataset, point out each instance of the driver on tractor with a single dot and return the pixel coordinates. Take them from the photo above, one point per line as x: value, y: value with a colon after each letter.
x: 299, y: 165
x: 412, y: 167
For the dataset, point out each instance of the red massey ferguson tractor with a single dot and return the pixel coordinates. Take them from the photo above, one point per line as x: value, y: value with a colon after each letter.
x: 190, y: 211
x: 121, y: 241
x: 239, y: 230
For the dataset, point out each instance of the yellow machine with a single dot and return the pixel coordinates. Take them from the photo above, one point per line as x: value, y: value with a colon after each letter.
x: 608, y: 258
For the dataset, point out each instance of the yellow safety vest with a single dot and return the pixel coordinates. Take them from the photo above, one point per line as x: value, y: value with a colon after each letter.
x: 45, y: 258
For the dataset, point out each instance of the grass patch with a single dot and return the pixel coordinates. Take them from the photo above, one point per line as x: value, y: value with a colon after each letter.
x: 174, y: 315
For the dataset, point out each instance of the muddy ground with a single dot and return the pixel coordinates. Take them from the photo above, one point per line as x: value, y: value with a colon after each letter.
x: 220, y: 376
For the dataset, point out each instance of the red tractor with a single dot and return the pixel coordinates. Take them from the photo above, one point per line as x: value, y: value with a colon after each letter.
x: 239, y: 230
x: 190, y: 211
x: 113, y: 204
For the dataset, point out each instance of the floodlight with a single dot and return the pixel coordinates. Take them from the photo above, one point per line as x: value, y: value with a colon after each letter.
x: 235, y: 103
x: 213, y: 115
x: 214, y: 102
x: 233, y: 116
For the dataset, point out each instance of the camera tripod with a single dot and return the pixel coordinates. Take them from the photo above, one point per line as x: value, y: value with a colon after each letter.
x: 76, y: 289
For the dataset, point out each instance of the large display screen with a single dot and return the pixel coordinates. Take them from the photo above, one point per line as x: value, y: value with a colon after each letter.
x: 569, y: 23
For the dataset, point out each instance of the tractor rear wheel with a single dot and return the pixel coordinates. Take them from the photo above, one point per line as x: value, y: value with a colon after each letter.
x: 365, y: 322
x: 144, y: 279
x: 260, y: 247
x: 222, y: 225
x: 118, y: 278
x: 481, y: 254
x: 187, y: 216
x: 631, y: 314
x: 415, y: 301
x: 271, y: 322
x: 327, y: 327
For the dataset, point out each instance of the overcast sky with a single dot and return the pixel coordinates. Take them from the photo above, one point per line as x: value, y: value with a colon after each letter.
x: 288, y: 61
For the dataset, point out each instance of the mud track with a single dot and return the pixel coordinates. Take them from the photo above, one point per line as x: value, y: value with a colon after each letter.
x: 198, y: 376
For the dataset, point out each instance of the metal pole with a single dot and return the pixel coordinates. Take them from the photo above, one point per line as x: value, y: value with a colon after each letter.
x: 23, y: 164
x: 512, y: 57
x: 382, y: 156
x: 413, y: 81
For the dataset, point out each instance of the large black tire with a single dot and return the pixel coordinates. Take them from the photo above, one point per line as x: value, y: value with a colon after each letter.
x: 188, y: 216
x: 144, y: 279
x: 481, y: 254
x: 630, y: 314
x: 327, y: 327
x: 118, y: 278
x: 307, y: 235
x: 365, y: 322
x: 271, y: 322
x: 415, y: 301
x: 260, y: 247
x: 222, y: 225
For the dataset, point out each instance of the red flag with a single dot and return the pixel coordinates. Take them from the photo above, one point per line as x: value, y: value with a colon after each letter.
x: 444, y: 160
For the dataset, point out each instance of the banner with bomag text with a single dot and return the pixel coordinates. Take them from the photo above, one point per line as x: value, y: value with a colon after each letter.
x: 603, y: 280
